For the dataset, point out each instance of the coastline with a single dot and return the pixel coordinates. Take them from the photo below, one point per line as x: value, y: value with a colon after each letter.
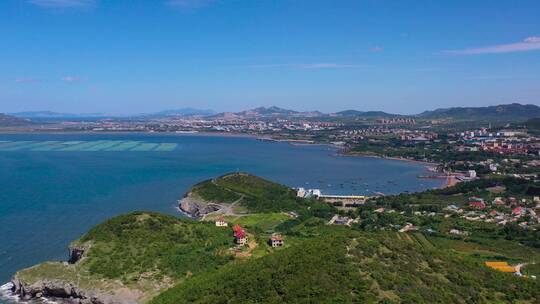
x: 6, y: 295
x: 341, y: 150
x: 450, y: 180
x: 64, y: 132
x: 360, y: 154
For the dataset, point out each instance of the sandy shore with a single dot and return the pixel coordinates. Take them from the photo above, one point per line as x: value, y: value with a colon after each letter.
x: 451, y: 181
x: 359, y: 154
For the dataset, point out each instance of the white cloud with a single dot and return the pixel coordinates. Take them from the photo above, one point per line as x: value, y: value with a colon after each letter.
x: 532, y: 39
x: 376, y: 49
x: 71, y: 78
x: 189, y: 5
x: 63, y: 3
x: 26, y: 80
x: 322, y: 65
x: 528, y: 44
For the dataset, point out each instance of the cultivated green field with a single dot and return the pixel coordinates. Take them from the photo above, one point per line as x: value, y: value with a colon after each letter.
x: 86, y: 146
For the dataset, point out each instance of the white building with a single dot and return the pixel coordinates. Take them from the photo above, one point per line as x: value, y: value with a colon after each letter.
x: 301, y: 192
x: 221, y: 223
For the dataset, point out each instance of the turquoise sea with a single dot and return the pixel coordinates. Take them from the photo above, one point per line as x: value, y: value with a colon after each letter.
x: 54, y: 187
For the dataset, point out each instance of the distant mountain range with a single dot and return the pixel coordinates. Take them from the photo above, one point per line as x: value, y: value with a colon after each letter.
x: 364, y: 114
x: 183, y: 112
x: 57, y: 115
x: 510, y: 112
x: 50, y: 114
x: 11, y: 121
x: 269, y: 112
x: 507, y: 112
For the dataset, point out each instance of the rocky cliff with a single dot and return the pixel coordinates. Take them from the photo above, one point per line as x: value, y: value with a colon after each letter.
x: 30, y: 288
x: 50, y: 289
x: 197, y: 207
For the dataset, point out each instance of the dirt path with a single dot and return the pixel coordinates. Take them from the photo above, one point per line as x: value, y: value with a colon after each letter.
x: 251, y: 246
x: 225, y: 209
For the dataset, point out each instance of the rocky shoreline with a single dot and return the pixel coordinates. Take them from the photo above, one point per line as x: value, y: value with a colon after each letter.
x: 53, y: 289
x: 67, y: 292
x: 196, y: 207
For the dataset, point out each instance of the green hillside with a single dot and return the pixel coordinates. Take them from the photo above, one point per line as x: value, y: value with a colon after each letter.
x: 347, y: 266
x: 256, y: 194
x: 140, y: 251
x: 533, y: 124
x: 11, y: 121
x: 507, y: 112
x: 148, y: 257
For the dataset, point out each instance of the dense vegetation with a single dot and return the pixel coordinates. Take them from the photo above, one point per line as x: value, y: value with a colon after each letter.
x: 256, y: 194
x: 143, y: 251
x: 507, y: 112
x: 348, y: 266
x: 368, y: 262
x: 128, y: 245
x: 533, y: 125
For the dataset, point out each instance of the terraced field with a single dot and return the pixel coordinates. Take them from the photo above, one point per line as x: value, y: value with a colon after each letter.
x: 86, y: 146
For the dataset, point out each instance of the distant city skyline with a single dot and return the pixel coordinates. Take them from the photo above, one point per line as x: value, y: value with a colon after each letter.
x: 128, y: 57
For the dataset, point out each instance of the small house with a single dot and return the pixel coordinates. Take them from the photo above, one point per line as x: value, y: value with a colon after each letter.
x: 518, y: 211
x: 379, y: 210
x: 240, y: 235
x: 241, y: 238
x: 276, y: 240
x: 477, y: 205
x: 498, y: 201
x: 458, y: 232
x: 220, y: 222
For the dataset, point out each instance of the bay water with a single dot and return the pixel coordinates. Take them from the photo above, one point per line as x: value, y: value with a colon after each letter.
x: 51, y: 196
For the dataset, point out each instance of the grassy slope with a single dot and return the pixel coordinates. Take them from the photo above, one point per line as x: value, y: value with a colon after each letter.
x: 319, y: 263
x: 347, y: 266
x: 258, y: 195
x: 141, y: 250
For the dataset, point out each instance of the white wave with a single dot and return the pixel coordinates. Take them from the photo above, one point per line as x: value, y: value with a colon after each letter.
x: 9, y: 297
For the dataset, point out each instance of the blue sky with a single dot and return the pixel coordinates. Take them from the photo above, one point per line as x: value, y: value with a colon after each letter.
x: 132, y: 56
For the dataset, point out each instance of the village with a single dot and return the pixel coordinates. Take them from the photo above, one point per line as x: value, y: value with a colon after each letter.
x: 245, y: 245
x: 524, y: 212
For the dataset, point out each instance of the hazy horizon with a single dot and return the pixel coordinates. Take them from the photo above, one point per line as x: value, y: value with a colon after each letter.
x: 214, y: 111
x: 129, y: 57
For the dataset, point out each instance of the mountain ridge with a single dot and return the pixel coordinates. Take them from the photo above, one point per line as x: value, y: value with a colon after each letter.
x: 512, y: 111
x: 12, y: 121
x: 501, y: 112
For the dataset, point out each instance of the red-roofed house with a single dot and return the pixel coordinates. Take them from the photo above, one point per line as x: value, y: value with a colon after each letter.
x: 239, y: 235
x: 518, y: 211
x: 498, y: 202
x: 477, y: 205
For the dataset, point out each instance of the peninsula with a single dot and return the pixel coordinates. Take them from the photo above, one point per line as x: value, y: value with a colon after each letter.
x: 274, y: 246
